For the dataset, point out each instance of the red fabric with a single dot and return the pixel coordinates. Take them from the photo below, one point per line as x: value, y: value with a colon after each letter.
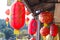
x: 46, y: 17
x: 44, y: 31
x: 53, y: 30
x: 18, y: 15
x: 32, y: 27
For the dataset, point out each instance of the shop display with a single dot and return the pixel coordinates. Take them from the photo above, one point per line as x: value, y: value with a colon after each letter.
x: 29, y: 20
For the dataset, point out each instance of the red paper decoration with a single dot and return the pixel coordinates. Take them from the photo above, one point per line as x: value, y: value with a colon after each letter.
x: 27, y: 19
x: 18, y: 15
x: 44, y: 31
x: 32, y: 27
x: 27, y: 12
x: 7, y: 11
x: 46, y: 17
x: 7, y: 19
x: 53, y: 30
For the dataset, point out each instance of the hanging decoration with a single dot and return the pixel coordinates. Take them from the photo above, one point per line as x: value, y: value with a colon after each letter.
x: 32, y: 27
x: 46, y: 17
x: 44, y: 31
x: 53, y: 30
x: 7, y: 11
x: 27, y: 12
x: 27, y: 21
x: 17, y: 16
x: 7, y: 20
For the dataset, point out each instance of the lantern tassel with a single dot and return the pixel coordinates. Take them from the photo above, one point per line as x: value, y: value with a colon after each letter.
x: 44, y: 37
x: 45, y: 25
x: 16, y: 32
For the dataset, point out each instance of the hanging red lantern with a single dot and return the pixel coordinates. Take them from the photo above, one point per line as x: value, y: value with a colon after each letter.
x: 44, y: 31
x: 32, y: 27
x: 53, y: 30
x: 27, y: 12
x: 7, y: 20
x: 7, y: 12
x: 17, y: 16
x: 46, y: 17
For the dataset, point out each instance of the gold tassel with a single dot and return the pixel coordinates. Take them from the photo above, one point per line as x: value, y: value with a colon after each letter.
x: 44, y: 37
x: 45, y: 25
x: 16, y: 32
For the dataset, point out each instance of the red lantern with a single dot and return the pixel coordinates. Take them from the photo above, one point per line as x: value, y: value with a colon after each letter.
x: 7, y: 12
x: 18, y: 15
x: 27, y: 12
x: 53, y: 30
x: 7, y: 20
x: 44, y: 31
x: 46, y: 17
x: 32, y: 27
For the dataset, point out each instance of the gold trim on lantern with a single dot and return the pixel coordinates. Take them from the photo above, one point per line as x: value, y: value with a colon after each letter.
x: 45, y: 25
x: 44, y: 37
x: 19, y: 0
x: 16, y: 32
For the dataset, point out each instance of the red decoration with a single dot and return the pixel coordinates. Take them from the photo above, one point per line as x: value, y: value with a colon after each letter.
x: 18, y: 15
x: 46, y: 17
x: 7, y: 19
x: 53, y: 30
x: 27, y: 12
x: 7, y: 12
x: 32, y: 27
x: 27, y: 19
x: 44, y: 31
